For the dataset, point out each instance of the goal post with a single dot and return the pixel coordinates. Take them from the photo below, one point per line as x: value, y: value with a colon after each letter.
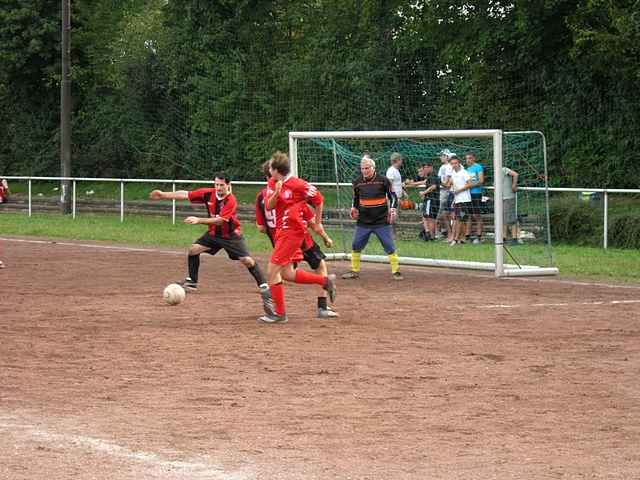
x: 331, y: 161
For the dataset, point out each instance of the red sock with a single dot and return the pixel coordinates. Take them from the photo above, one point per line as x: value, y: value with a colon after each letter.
x: 308, y: 277
x: 277, y: 293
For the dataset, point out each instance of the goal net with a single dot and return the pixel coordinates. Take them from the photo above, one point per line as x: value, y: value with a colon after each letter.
x: 505, y: 231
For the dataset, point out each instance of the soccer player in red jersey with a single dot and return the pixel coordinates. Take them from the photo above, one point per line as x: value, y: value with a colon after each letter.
x: 287, y: 196
x: 309, y: 250
x: 223, y: 233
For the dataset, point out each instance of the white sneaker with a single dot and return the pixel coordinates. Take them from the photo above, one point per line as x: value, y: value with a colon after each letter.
x: 476, y: 241
x: 273, y: 319
x: 452, y: 243
x: 327, y: 313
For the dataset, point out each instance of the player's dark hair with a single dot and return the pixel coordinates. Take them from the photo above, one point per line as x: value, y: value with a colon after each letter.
x: 471, y: 153
x: 266, y: 169
x: 280, y: 163
x: 223, y: 176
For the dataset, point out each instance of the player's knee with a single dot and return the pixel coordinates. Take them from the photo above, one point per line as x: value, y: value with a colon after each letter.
x: 320, y: 268
x: 247, y: 261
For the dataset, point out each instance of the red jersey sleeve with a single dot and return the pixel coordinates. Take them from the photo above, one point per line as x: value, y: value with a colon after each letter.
x: 197, y: 196
x: 314, y: 197
x: 230, y: 207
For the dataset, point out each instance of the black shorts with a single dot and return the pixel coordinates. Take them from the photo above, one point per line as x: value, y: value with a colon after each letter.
x: 313, y: 256
x: 476, y: 203
x: 462, y: 210
x: 234, y: 247
x: 430, y: 207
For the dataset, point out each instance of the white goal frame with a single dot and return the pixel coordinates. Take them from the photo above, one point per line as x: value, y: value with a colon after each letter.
x: 499, y: 267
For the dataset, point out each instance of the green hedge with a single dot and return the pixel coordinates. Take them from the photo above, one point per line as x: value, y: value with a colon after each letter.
x: 579, y: 223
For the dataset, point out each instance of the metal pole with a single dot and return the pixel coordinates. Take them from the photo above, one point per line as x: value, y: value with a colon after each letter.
x: 340, y: 213
x: 173, y: 206
x: 29, y: 197
x: 498, y: 219
x: 293, y: 155
x: 121, y: 201
x: 606, y: 220
x: 65, y: 109
x: 73, y: 200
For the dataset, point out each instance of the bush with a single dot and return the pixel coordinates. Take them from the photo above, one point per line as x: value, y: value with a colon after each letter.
x: 575, y: 222
x: 579, y: 223
x: 624, y: 231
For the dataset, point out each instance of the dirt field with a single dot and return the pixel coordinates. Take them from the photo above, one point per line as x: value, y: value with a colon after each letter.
x: 447, y: 375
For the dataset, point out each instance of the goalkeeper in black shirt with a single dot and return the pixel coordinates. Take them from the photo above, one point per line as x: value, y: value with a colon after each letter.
x: 375, y: 208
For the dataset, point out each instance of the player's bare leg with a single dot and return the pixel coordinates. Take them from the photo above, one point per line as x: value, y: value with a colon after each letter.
x: 432, y: 227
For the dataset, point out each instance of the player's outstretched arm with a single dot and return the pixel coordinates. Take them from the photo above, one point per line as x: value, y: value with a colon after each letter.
x: 204, y: 221
x: 160, y: 195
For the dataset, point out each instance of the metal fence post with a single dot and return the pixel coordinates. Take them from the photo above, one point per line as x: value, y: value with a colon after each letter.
x: 73, y: 200
x: 29, y: 197
x: 606, y: 220
x: 173, y: 205
x: 121, y: 201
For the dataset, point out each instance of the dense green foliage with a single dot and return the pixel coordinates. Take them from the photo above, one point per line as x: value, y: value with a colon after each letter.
x: 580, y: 223
x: 180, y: 88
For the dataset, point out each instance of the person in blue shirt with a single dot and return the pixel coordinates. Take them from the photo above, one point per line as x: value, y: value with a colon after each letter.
x: 476, y: 171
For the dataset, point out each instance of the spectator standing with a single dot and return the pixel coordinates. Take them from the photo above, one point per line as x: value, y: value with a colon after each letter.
x: 394, y: 176
x: 476, y: 171
x: 460, y: 188
x: 429, y: 185
x: 509, y: 214
x: 444, y: 211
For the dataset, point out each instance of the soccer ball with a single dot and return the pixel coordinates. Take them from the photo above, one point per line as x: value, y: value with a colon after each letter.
x: 174, y: 294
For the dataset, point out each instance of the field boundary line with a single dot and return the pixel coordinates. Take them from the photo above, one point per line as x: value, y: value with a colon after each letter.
x: 560, y: 304
x: 192, y: 468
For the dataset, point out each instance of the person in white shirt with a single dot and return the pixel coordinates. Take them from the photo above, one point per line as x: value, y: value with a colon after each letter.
x: 461, y: 183
x: 444, y: 212
x: 394, y: 176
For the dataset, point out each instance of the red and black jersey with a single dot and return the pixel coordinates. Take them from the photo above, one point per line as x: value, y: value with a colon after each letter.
x: 225, y: 208
x: 266, y: 218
